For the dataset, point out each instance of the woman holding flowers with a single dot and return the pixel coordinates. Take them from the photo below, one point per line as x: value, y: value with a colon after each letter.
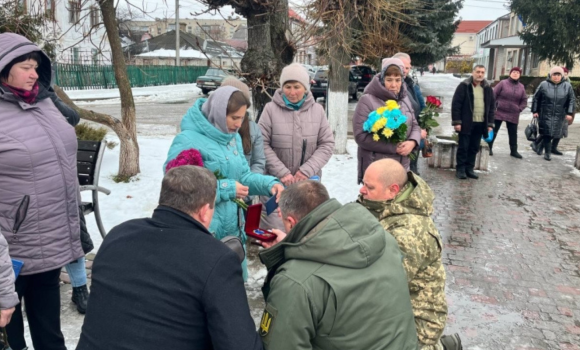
x: 384, y: 123
x: 211, y: 126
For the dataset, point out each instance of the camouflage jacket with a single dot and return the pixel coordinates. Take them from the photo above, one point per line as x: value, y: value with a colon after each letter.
x: 408, y: 219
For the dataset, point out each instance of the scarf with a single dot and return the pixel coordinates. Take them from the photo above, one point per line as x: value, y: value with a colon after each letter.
x: 295, y: 106
x: 26, y: 96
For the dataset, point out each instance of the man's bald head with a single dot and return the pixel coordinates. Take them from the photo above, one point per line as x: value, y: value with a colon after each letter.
x: 383, y: 180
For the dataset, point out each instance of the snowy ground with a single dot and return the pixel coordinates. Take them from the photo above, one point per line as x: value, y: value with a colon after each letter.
x: 166, y: 94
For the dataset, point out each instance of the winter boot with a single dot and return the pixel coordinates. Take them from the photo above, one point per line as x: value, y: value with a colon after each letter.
x: 490, y: 148
x: 451, y: 342
x: 471, y: 174
x: 514, y: 152
x: 540, y: 148
x: 548, y: 148
x: 460, y: 174
x: 555, y: 151
x: 80, y: 297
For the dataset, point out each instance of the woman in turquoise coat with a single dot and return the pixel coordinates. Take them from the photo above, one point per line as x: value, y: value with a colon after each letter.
x: 211, y: 126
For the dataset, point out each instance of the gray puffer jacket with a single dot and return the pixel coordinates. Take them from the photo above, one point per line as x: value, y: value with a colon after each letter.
x: 38, y: 174
x: 8, y: 296
x: 553, y: 102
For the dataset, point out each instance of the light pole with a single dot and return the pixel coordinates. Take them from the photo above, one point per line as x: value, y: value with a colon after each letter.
x: 177, y: 60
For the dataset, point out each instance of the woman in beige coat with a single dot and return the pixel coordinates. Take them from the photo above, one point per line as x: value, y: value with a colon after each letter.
x: 298, y: 141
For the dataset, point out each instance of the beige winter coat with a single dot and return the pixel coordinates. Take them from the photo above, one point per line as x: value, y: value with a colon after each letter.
x: 285, y: 133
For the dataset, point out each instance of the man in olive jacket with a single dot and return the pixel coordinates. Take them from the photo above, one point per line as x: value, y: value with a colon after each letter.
x: 335, y: 281
x: 403, y: 203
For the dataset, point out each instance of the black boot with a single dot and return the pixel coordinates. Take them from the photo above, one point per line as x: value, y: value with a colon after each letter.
x: 555, y: 151
x: 514, y: 152
x: 471, y: 174
x: 548, y: 148
x: 540, y: 148
x: 80, y: 297
x: 460, y: 174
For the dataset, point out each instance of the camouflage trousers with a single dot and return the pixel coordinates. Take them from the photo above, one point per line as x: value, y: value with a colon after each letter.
x: 437, y: 346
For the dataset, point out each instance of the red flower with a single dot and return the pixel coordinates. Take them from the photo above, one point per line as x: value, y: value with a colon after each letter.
x: 434, y: 101
x: 187, y: 157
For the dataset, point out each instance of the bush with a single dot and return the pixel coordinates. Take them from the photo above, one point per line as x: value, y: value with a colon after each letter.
x: 86, y: 132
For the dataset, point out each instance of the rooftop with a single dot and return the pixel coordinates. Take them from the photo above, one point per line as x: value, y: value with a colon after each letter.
x: 471, y: 26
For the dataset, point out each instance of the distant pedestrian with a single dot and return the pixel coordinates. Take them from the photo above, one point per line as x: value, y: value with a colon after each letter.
x: 39, y: 215
x: 298, y: 141
x: 211, y: 127
x: 472, y: 115
x: 510, y: 100
x: 565, y: 125
x: 165, y: 283
x: 421, y: 70
x: 553, y: 105
x: 434, y: 70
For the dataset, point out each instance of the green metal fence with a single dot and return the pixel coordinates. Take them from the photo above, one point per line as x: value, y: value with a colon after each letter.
x: 82, y: 77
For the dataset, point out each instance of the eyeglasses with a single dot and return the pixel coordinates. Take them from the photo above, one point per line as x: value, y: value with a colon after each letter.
x: 4, y: 340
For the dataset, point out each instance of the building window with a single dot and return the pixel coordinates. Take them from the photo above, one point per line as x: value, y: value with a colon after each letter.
x: 74, y: 11
x: 95, y: 16
x: 158, y: 30
x: 189, y: 29
x: 49, y: 9
x: 171, y: 27
x: 535, y: 60
x: 76, y: 55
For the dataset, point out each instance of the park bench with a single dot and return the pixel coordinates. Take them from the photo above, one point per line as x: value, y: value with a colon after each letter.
x: 89, y: 158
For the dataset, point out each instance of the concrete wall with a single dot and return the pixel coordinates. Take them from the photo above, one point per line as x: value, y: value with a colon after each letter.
x: 466, y: 42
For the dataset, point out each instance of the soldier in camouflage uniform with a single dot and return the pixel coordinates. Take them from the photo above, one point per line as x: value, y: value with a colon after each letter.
x: 403, y: 203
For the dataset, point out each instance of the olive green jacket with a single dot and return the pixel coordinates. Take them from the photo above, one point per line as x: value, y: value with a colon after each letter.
x: 336, y: 282
x: 408, y: 219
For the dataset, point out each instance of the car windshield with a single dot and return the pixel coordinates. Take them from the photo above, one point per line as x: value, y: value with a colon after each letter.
x: 321, y: 74
x: 364, y: 70
x: 216, y: 72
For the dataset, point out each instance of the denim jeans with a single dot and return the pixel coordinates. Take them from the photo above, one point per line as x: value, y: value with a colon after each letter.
x: 77, y: 272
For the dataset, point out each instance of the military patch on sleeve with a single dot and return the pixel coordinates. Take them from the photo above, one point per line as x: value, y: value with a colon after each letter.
x: 267, y: 320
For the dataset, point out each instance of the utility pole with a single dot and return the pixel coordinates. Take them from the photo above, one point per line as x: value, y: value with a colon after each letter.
x: 177, y: 30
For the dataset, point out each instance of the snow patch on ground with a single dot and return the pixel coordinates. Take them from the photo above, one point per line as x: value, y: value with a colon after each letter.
x: 159, y: 94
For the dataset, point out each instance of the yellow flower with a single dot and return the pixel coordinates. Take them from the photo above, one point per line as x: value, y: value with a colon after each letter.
x: 376, y: 137
x: 381, y: 110
x: 387, y: 133
x: 391, y: 104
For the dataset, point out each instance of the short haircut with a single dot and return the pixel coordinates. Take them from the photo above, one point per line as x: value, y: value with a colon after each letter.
x: 188, y: 188
x: 393, y: 70
x: 34, y: 55
x: 402, y: 55
x: 478, y: 66
x: 299, y: 199
x: 390, y: 172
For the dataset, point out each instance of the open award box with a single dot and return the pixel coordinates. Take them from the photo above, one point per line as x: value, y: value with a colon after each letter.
x: 252, y: 228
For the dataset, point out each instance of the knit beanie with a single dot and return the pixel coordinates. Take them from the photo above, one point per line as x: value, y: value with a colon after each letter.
x: 295, y: 72
x: 216, y: 107
x: 557, y: 70
x: 516, y: 69
x: 238, y: 84
x: 387, y: 62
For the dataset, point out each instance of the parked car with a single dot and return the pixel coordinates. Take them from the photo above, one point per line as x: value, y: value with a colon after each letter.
x: 366, y: 73
x: 319, y: 85
x: 310, y: 69
x: 212, y: 79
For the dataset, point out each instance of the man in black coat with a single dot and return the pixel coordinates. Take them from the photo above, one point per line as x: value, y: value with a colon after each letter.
x: 165, y: 282
x: 472, y: 115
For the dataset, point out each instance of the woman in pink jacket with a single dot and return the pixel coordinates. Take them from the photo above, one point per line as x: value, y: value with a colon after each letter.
x: 298, y: 141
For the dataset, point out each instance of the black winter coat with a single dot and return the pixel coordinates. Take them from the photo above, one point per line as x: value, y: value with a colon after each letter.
x: 462, y: 106
x: 166, y: 283
x: 553, y: 102
x: 71, y: 116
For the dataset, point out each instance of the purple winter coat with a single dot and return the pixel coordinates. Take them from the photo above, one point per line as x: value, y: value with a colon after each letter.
x: 38, y: 156
x: 511, y: 99
x: 375, y: 96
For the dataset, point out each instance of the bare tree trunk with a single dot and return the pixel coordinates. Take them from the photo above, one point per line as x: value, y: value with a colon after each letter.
x: 338, y: 95
x: 129, y: 156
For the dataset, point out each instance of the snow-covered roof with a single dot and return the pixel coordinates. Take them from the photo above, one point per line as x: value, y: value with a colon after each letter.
x: 183, y: 53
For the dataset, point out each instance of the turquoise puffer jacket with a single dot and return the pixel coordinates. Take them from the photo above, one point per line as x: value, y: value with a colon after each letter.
x: 223, y: 152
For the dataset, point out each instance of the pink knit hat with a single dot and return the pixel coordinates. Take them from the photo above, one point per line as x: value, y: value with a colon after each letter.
x: 557, y: 70
x: 238, y: 84
x: 295, y: 72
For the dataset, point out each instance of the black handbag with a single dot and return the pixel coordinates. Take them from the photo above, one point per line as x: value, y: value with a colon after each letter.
x: 532, y: 130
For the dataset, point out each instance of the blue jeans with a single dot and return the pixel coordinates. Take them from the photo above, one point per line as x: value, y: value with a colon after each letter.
x: 77, y: 272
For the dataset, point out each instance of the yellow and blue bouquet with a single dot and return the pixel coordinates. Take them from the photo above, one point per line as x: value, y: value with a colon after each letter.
x: 387, y: 123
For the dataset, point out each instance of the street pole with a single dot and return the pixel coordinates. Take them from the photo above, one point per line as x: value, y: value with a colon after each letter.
x: 177, y: 60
